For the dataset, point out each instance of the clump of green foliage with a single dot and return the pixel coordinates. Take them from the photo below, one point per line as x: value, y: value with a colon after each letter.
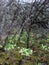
x: 10, y: 46
x: 23, y: 38
x: 26, y: 52
x: 10, y: 39
x: 40, y: 40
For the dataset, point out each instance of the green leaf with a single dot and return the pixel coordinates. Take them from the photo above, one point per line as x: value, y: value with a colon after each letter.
x: 47, y: 40
x: 1, y: 46
x: 39, y: 64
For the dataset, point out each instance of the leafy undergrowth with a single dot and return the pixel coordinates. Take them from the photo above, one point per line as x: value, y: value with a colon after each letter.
x: 13, y: 57
x: 17, y: 53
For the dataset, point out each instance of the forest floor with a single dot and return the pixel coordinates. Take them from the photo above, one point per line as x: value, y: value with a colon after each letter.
x: 13, y: 57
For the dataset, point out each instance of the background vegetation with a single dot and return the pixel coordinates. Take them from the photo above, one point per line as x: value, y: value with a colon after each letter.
x: 24, y: 33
